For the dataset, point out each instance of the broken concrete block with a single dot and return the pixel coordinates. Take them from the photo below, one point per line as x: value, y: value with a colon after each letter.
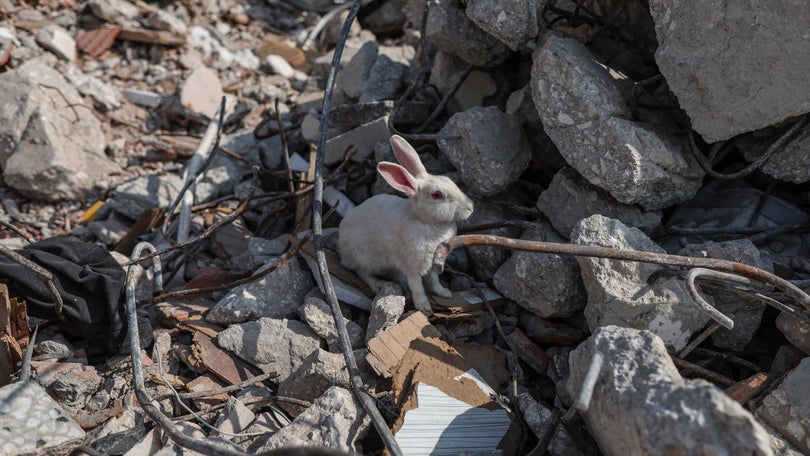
x: 570, y: 198
x: 33, y: 423
x: 319, y: 371
x: 318, y: 315
x: 360, y: 142
x: 796, y: 330
x: 547, y: 285
x: 272, y: 345
x: 102, y: 93
x: 234, y: 419
x: 585, y: 113
x: 146, y: 192
x: 115, y: 11
x: 619, y: 292
x: 386, y: 308
x: 37, y: 158
x: 453, y: 32
x: 354, y: 74
x: 512, y: 22
x: 787, y: 408
x: 791, y: 163
x: 164, y: 20
x: 728, y: 90
x: 544, y: 151
x: 540, y: 418
x: 276, y: 295
x: 57, y: 40
x: 492, y: 151
x: 386, y: 75
x: 746, y: 323
x: 336, y: 420
x: 675, y: 416
x: 202, y: 92
x: 445, y: 74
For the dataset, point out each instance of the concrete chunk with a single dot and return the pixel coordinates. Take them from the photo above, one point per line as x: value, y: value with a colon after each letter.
x: 272, y: 345
x: 453, y: 32
x: 787, y: 408
x: 319, y: 371
x: 276, y: 295
x: 57, y: 40
x: 584, y: 111
x: 336, y: 420
x: 734, y: 67
x: 492, y: 151
x: 570, y: 198
x: 641, y: 404
x: 618, y: 291
x: 546, y: 285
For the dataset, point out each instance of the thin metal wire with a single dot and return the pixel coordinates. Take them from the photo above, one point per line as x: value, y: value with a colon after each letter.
x: 358, y: 387
x: 150, y: 406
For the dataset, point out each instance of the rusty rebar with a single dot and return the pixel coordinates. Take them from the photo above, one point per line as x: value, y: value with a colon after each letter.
x: 611, y: 253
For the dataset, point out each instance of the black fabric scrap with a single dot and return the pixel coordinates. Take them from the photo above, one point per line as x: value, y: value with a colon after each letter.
x: 89, y: 280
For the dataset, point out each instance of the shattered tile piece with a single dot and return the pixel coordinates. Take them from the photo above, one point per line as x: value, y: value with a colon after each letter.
x: 33, y: 423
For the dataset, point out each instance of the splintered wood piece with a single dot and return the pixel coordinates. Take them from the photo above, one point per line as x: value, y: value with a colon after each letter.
x: 386, y: 350
x: 147, y: 222
x: 275, y: 45
x: 468, y: 300
x: 13, y: 334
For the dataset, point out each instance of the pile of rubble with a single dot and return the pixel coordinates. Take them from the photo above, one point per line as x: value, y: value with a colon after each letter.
x: 585, y: 128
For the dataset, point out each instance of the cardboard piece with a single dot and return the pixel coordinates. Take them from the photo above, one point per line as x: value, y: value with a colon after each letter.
x: 387, y: 349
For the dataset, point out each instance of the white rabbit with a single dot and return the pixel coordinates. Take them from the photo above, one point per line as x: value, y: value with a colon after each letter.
x: 388, y: 234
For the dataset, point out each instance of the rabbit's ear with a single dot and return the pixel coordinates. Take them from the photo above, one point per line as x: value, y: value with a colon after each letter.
x: 407, y: 156
x: 398, y: 177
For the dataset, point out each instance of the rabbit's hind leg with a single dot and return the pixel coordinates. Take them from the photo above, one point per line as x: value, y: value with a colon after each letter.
x: 374, y: 283
x: 435, y: 286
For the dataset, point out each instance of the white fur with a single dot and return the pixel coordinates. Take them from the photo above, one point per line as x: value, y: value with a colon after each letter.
x: 388, y: 234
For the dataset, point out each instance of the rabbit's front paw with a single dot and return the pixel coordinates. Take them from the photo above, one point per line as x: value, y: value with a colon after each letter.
x: 423, y: 306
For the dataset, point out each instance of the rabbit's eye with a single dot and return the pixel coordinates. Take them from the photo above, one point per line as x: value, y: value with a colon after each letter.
x: 437, y: 195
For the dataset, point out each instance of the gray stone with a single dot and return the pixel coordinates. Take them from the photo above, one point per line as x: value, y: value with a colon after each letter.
x: 641, y: 404
x: 386, y: 75
x: 787, y: 408
x: 512, y: 22
x: 389, y: 16
x: 33, y: 423
x: 336, y: 420
x: 492, y: 151
x: 320, y: 371
x: 547, y: 285
x: 619, y: 293
x: 746, y: 322
x: 318, y: 315
x: 38, y: 159
x: 272, y: 345
x: 164, y: 20
x: 585, y: 113
x: 453, y: 32
x: 791, y: 163
x: 276, y: 295
x: 115, y: 11
x: 355, y: 72
x: 72, y: 387
x: 386, y: 309
x: 201, y: 92
x: 145, y: 192
x: 796, y: 331
x: 544, y: 151
x: 445, y: 74
x: 57, y: 40
x: 540, y: 419
x: 259, y: 251
x: 727, y: 89
x: 360, y: 141
x: 569, y: 198
x: 102, y: 93
x: 234, y: 419
x: 351, y: 115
